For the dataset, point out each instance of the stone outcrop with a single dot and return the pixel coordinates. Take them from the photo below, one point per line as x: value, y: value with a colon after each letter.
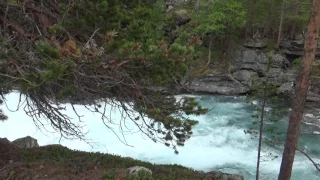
x: 217, y: 83
x: 137, y: 170
x: 251, y: 65
x: 26, y: 142
x: 295, y: 48
x: 254, y: 43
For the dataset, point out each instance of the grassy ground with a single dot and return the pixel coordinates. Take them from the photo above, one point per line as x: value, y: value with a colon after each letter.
x: 57, y: 162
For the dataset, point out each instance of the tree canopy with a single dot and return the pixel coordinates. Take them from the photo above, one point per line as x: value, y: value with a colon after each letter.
x: 120, y: 52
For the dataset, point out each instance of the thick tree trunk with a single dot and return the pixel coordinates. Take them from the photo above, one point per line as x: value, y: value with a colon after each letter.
x: 294, y: 24
x: 302, y: 84
x: 280, y: 27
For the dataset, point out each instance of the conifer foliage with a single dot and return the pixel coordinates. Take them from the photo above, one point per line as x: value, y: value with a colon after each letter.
x: 92, y: 51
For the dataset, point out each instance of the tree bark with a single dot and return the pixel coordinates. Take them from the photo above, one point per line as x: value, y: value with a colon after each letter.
x: 260, y: 133
x: 267, y: 23
x: 280, y: 27
x: 209, y: 53
x: 302, y: 85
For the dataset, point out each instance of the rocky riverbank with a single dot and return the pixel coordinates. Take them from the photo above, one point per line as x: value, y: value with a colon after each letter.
x: 24, y: 159
x: 249, y: 65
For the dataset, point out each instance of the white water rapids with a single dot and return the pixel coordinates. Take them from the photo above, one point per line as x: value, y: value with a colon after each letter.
x: 218, y: 142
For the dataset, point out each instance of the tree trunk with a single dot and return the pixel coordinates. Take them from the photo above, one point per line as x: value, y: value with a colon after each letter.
x: 260, y: 133
x: 197, y: 4
x: 280, y: 27
x: 267, y: 23
x: 209, y: 54
x: 302, y: 84
x: 294, y: 24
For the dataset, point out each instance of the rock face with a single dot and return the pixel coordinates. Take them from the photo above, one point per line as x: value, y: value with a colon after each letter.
x: 295, y: 48
x: 255, y: 43
x: 26, y: 142
x: 251, y: 65
x: 218, y: 83
x: 140, y: 171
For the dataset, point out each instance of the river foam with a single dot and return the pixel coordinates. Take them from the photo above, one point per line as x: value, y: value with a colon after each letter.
x: 218, y: 142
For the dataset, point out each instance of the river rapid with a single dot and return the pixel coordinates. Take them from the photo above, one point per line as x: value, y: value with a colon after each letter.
x: 219, y: 141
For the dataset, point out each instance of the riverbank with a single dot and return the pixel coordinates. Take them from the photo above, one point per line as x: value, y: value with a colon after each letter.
x: 58, y: 162
x: 218, y: 142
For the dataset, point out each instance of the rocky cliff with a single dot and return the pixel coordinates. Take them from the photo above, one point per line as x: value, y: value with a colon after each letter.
x: 252, y: 64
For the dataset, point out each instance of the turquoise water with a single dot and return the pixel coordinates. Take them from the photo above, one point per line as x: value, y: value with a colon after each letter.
x: 218, y: 142
x: 232, y: 115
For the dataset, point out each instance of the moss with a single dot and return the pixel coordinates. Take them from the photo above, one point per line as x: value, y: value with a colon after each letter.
x: 201, y: 71
x: 109, y: 176
x: 296, y: 62
x: 315, y: 70
x: 270, y: 44
x: 64, y: 156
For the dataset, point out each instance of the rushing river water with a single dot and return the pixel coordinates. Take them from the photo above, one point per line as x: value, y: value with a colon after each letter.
x: 218, y: 142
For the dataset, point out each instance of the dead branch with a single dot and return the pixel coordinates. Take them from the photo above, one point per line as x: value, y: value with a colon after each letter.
x: 317, y: 166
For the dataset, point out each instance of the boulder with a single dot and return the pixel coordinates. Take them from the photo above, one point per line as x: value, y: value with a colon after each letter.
x: 181, y: 16
x: 217, y: 83
x: 140, y: 171
x: 254, y: 43
x: 286, y: 88
x: 295, y: 48
x: 258, y: 61
x: 245, y: 76
x: 26, y: 142
x: 175, y: 3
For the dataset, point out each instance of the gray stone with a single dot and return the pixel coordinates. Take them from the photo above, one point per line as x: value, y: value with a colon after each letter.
x: 273, y: 72
x: 170, y: 7
x: 279, y: 61
x: 258, y: 61
x: 217, y: 83
x: 298, y: 36
x: 175, y: 3
x: 314, y: 89
x: 244, y: 76
x: 136, y: 170
x: 255, y: 43
x: 181, y: 16
x: 26, y: 142
x: 286, y: 88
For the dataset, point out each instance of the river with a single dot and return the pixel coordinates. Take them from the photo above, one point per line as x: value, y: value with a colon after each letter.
x: 218, y: 142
